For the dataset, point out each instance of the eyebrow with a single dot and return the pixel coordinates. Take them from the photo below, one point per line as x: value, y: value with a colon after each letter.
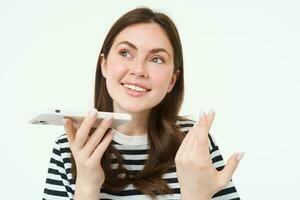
x: 155, y: 50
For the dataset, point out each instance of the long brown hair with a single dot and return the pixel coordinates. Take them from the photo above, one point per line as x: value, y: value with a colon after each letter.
x: 164, y: 136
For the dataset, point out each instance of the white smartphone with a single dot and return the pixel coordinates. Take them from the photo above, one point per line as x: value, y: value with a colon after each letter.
x: 55, y: 116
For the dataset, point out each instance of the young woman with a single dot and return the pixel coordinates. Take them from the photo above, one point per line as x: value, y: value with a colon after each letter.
x: 159, y: 154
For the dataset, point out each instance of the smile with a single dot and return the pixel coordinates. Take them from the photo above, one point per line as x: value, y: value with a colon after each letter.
x: 134, y: 90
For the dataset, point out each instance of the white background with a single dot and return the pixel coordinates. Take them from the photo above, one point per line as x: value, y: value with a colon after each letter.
x: 241, y: 58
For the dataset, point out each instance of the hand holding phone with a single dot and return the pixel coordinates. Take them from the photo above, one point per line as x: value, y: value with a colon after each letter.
x: 88, y: 150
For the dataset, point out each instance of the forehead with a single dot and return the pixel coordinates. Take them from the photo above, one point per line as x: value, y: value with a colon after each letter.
x: 145, y: 36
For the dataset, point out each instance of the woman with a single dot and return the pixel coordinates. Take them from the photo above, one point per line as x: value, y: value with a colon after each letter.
x: 157, y: 155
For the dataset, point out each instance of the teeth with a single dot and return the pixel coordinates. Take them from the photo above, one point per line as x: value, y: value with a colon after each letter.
x: 136, y: 88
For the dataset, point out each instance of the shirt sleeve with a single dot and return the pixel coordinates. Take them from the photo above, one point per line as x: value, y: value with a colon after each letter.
x: 229, y: 192
x: 58, y: 184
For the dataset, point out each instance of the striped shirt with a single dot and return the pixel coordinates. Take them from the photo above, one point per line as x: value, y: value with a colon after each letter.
x: 61, y: 186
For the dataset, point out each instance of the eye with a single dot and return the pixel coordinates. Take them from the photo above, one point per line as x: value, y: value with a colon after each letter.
x: 124, y: 53
x: 158, y: 60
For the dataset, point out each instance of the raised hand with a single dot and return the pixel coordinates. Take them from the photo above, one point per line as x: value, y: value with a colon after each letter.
x: 196, y: 174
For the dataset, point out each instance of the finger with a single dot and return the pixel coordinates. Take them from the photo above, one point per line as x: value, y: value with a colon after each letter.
x: 185, y: 147
x: 210, y: 118
x: 100, y: 149
x: 189, y: 138
x: 230, y: 167
x: 202, y: 127
x: 202, y: 122
x: 69, y: 129
x: 84, y: 129
x: 199, y: 138
x: 96, y: 137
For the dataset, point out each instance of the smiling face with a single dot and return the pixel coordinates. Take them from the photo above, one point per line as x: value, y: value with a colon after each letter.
x: 139, y: 68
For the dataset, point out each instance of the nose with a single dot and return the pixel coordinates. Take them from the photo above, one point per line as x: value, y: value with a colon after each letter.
x: 138, y: 69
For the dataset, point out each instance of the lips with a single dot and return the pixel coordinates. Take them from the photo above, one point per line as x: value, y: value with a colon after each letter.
x: 138, y: 85
x: 133, y: 91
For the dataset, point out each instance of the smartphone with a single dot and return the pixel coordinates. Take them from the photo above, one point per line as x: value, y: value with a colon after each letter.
x: 55, y: 116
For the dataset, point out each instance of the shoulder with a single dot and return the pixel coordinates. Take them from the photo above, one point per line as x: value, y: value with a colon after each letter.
x: 185, y: 123
x: 61, y: 156
x: 62, y: 145
x: 62, y: 139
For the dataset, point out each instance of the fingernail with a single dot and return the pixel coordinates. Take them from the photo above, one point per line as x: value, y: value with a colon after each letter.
x: 201, y: 114
x: 240, y: 156
x: 211, y: 111
x: 64, y: 121
x: 93, y: 112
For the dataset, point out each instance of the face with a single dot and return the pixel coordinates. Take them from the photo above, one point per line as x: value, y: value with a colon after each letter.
x: 139, y: 68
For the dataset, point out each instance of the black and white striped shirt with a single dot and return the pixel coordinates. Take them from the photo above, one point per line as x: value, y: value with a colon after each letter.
x: 60, y: 185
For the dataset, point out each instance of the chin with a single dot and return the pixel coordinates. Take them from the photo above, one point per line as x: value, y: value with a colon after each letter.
x: 134, y: 109
x: 129, y: 107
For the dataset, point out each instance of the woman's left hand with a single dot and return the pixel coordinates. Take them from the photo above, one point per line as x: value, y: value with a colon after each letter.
x: 197, y: 176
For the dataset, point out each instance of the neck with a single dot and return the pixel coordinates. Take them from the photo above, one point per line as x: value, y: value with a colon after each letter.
x: 138, y: 125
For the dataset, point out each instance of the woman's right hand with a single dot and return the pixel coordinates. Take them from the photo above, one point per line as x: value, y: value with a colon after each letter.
x: 88, y: 150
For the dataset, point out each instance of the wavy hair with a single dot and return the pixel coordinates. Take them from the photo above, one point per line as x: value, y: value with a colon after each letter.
x: 164, y: 136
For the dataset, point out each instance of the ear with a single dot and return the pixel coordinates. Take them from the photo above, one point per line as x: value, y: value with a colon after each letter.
x: 173, y: 80
x: 103, y: 65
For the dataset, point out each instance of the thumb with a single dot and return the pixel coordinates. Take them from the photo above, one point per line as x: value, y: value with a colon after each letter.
x: 69, y: 129
x: 230, y: 167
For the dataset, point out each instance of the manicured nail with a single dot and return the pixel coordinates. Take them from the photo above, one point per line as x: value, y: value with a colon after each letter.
x: 211, y: 111
x: 64, y: 121
x: 240, y: 156
x: 93, y: 112
x: 201, y: 114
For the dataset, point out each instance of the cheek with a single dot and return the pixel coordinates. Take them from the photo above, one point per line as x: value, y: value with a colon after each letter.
x: 116, y: 70
x: 162, y: 79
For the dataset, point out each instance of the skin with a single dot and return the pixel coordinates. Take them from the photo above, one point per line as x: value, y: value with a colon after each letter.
x: 87, y: 152
x: 197, y: 176
x: 126, y: 63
